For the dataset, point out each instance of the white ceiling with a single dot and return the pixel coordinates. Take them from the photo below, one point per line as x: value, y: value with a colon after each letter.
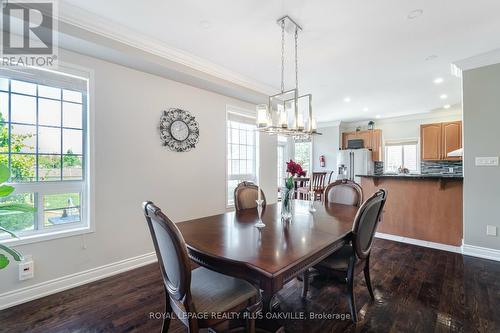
x: 367, y: 50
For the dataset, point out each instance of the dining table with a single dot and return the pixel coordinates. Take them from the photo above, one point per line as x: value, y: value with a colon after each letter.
x: 273, y: 255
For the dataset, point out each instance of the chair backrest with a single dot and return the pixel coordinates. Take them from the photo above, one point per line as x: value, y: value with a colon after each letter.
x: 330, y: 177
x: 245, y: 195
x: 171, y: 252
x: 318, y: 180
x: 344, y: 192
x: 366, y: 222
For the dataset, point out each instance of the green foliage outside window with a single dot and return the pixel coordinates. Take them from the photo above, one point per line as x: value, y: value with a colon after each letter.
x: 22, y: 166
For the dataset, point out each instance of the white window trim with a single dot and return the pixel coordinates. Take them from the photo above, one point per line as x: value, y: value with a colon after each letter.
x: 87, y: 224
x: 311, y: 146
x: 404, y: 141
x: 245, y: 113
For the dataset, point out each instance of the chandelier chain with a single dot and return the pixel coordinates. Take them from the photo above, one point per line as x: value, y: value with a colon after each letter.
x: 282, y: 55
x: 296, y: 59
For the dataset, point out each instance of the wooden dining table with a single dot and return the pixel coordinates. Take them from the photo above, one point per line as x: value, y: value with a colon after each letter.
x: 269, y: 257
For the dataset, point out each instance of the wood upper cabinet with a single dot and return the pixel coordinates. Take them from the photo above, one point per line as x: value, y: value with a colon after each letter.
x: 430, y: 142
x: 437, y: 140
x: 451, y: 138
x: 346, y: 137
x: 376, y: 145
x: 372, y: 139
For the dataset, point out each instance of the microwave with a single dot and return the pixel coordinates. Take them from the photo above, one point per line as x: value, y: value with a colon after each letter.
x: 355, y: 144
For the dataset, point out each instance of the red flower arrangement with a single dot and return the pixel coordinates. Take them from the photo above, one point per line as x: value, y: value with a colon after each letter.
x: 295, y: 169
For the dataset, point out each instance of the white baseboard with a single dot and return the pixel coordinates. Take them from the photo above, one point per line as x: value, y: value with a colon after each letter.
x: 39, y: 290
x: 481, y: 252
x: 432, y: 245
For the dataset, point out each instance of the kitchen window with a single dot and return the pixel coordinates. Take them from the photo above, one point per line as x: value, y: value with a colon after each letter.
x: 241, y: 152
x: 43, y: 142
x: 401, y: 154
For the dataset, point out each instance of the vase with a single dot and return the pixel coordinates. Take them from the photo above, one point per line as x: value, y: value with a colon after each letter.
x: 286, y: 204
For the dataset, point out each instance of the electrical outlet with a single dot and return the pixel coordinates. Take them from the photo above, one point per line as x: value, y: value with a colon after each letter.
x: 491, y: 230
x: 487, y: 161
x: 26, y: 269
x: 450, y: 170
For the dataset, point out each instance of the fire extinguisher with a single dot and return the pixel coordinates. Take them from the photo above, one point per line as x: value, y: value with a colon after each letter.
x: 322, y: 161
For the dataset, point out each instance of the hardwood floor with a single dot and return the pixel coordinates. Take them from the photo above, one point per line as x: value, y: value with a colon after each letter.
x: 416, y: 290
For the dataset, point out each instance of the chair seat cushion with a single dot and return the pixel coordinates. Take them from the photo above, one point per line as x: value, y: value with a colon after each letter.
x: 339, y: 260
x: 215, y: 292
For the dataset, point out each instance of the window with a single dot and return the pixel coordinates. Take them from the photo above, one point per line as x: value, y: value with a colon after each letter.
x: 43, y: 119
x: 241, y: 152
x: 303, y: 155
x: 401, y: 153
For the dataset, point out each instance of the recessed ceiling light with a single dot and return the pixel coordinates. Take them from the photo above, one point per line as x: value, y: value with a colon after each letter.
x: 443, y: 96
x: 438, y: 80
x: 447, y: 106
x: 378, y: 116
x: 365, y: 109
x: 415, y: 13
x: 347, y: 99
x: 204, y: 24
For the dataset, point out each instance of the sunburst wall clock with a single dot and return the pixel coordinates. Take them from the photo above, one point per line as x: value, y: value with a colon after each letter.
x: 179, y: 130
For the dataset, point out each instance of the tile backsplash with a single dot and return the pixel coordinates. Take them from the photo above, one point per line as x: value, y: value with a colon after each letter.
x: 378, y: 167
x: 441, y: 167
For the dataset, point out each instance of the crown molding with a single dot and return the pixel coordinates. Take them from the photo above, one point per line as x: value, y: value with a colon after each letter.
x: 480, y: 60
x: 333, y: 123
x: 96, y: 24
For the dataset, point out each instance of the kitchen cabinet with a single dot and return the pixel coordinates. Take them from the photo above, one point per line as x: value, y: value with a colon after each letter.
x: 438, y: 139
x: 372, y: 139
x: 376, y: 145
x: 451, y: 138
x: 430, y: 142
x: 348, y: 136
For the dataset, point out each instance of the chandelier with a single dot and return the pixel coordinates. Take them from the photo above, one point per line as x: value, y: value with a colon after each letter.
x: 288, y: 113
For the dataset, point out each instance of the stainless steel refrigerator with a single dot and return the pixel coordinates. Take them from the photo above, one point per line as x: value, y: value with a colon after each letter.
x: 354, y: 162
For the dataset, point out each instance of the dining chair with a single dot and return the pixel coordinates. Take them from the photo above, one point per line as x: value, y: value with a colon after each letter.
x: 318, y: 186
x: 330, y: 175
x: 355, y: 255
x: 344, y: 192
x: 193, y: 294
x: 246, y: 194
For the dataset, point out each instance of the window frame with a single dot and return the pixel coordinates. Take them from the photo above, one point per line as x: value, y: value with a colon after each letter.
x: 309, y: 168
x: 244, y: 113
x: 85, y: 186
x: 403, y: 143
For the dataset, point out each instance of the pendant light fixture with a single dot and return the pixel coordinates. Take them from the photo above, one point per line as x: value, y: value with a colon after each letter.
x: 288, y: 113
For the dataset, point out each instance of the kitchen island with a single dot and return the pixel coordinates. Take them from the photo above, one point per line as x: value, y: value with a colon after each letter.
x: 426, y: 207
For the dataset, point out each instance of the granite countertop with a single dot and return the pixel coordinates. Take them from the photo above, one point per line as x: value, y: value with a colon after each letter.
x: 415, y: 176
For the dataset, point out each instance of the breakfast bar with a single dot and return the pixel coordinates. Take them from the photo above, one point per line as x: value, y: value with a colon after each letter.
x: 426, y: 207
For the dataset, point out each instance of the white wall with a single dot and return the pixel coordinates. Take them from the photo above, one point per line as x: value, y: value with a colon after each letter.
x: 131, y: 166
x: 481, y: 98
x: 326, y: 144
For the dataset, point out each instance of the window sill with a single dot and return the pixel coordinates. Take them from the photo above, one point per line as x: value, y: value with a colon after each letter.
x: 46, y: 236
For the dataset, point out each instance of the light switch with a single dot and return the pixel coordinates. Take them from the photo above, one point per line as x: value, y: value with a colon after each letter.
x: 487, y: 161
x: 491, y: 230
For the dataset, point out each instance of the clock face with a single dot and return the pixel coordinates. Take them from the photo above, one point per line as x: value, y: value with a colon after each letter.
x: 179, y: 130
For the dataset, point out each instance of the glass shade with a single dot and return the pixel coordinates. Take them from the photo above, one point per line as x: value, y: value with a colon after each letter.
x: 262, y: 115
